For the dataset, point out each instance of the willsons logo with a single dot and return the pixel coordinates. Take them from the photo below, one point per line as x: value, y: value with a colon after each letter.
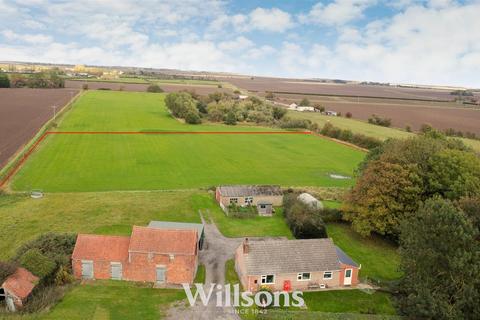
x: 231, y: 296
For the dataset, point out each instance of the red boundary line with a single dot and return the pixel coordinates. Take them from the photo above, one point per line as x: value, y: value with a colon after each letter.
x: 34, y: 146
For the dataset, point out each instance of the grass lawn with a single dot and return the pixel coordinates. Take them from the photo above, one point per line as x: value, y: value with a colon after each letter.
x: 200, y: 277
x: 379, y: 259
x: 114, y: 300
x: 231, y: 275
x: 65, y: 163
x: 349, y: 301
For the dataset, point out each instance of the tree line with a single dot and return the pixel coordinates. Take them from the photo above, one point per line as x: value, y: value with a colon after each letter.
x: 50, y: 79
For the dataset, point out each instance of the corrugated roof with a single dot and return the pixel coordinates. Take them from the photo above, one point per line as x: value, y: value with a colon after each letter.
x: 291, y: 256
x: 177, y: 226
x: 21, y: 283
x: 162, y: 241
x: 252, y: 190
x: 99, y: 247
x: 344, y: 258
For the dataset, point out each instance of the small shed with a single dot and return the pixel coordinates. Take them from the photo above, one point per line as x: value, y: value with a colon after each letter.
x: 265, y: 208
x: 17, y: 287
x: 169, y: 225
x: 310, y: 200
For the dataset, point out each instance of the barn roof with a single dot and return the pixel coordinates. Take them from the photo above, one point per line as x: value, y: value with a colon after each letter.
x: 20, y: 283
x: 291, y: 256
x: 177, y: 226
x: 162, y: 241
x: 99, y: 247
x: 252, y: 190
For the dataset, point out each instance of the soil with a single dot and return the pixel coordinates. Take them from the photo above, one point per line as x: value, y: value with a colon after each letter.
x: 23, y: 112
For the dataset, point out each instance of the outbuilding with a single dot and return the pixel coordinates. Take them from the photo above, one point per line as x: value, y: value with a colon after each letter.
x: 264, y: 197
x: 17, y: 287
x: 310, y: 200
x: 169, y: 225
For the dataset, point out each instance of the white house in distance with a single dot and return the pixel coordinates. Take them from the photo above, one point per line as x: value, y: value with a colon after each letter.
x: 331, y: 113
x: 296, y: 107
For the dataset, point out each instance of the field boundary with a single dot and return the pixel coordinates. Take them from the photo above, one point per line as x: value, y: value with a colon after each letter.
x: 14, y: 167
x: 39, y: 135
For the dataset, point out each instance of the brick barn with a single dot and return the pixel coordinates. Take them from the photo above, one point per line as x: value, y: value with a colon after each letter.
x: 285, y: 265
x: 17, y: 287
x: 160, y: 256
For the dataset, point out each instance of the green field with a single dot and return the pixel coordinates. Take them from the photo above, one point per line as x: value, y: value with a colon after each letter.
x: 66, y: 163
x: 370, y: 130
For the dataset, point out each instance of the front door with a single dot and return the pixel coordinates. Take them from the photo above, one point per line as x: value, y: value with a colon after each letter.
x: 347, y: 280
x: 161, y: 272
x: 87, y: 269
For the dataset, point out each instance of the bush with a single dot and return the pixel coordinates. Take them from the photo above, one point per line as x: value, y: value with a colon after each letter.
x: 193, y: 118
x: 230, y: 119
x: 331, y: 215
x: 269, y: 95
x: 305, y: 102
x: 236, y: 92
x: 384, y: 122
x: 7, y: 269
x: 34, y: 261
x: 154, y: 88
x: 4, y: 80
x: 106, y: 89
x: 279, y: 112
x: 346, y: 135
x: 304, y: 221
x: 348, y: 115
x: 63, y: 276
x: 44, y: 297
x: 288, y: 123
x: 57, y: 246
x: 85, y: 86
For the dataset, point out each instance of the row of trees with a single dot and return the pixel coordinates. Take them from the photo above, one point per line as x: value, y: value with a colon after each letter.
x: 49, y: 79
x: 347, y: 135
x: 222, y: 107
x: 424, y: 192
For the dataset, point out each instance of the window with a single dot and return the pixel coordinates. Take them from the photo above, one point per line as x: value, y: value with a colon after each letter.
x: 268, y: 279
x: 303, y: 276
x: 248, y: 200
x: 263, y: 206
x: 233, y: 200
x: 327, y: 275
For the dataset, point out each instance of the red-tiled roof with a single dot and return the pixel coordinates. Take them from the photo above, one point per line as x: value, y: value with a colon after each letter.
x: 163, y: 241
x: 97, y: 247
x: 21, y: 283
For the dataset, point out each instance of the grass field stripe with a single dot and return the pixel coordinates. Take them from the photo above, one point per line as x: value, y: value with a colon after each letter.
x: 179, y: 132
x: 22, y: 160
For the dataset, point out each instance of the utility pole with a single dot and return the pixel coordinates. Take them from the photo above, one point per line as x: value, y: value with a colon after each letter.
x: 54, y: 112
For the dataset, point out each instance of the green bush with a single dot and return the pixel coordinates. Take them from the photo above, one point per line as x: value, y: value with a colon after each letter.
x: 4, y: 80
x: 288, y: 123
x: 34, y: 261
x: 193, y: 118
x: 155, y: 88
x: 7, y: 268
x: 231, y: 119
x: 331, y: 215
x: 304, y: 221
x: 57, y: 246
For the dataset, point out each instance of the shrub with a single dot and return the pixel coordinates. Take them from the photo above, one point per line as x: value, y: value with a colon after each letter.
x: 384, y: 122
x: 269, y: 95
x: 154, y: 88
x: 408, y: 128
x: 303, y: 220
x: 346, y: 135
x: 193, y: 118
x: 231, y: 119
x: 331, y: 215
x: 348, y: 115
x: 34, y: 261
x: 305, y: 102
x: 106, y: 89
x: 4, y: 80
x: 85, y: 86
x: 288, y: 123
x: 44, y: 297
x: 279, y: 112
x: 63, y: 276
x: 236, y: 92
x: 6, y: 269
x: 219, y: 86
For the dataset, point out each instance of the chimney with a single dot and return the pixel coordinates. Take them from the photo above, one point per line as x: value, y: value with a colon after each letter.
x: 246, y: 246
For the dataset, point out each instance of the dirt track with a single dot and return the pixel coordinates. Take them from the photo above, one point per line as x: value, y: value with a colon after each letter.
x: 22, y: 114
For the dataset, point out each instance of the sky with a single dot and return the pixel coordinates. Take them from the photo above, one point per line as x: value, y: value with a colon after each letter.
x: 402, y: 41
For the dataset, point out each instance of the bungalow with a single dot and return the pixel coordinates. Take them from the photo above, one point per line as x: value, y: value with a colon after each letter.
x: 161, y: 256
x: 181, y: 226
x: 263, y: 197
x: 285, y: 265
x: 296, y: 107
x: 17, y: 287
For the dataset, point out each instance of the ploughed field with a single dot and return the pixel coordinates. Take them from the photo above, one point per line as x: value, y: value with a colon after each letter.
x: 261, y: 84
x: 104, y: 162
x: 441, y: 115
x: 23, y: 112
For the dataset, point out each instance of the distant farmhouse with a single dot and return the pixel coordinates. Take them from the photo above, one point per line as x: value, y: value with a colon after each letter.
x: 150, y: 254
x: 285, y: 265
x: 263, y: 197
x: 17, y: 287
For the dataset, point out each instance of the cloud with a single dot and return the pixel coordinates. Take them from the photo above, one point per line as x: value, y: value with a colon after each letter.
x: 336, y: 13
x: 30, y: 38
x: 269, y: 20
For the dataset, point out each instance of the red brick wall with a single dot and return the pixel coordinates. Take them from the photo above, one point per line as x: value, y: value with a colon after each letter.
x: 343, y: 267
x: 101, y: 269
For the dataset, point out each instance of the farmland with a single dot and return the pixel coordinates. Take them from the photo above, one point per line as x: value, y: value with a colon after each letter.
x: 23, y: 112
x: 149, y: 162
x: 141, y: 86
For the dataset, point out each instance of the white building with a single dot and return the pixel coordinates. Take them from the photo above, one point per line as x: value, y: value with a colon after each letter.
x: 296, y: 107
